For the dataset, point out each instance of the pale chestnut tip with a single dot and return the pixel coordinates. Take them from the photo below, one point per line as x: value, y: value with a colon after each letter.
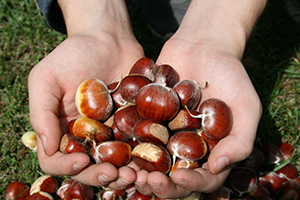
x: 29, y: 140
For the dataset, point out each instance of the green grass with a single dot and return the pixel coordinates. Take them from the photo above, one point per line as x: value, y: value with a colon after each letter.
x: 272, y: 59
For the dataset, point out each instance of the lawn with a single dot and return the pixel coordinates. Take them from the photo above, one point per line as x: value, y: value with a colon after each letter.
x: 272, y: 59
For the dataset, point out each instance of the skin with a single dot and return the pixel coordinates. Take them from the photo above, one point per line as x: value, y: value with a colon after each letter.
x: 208, y: 46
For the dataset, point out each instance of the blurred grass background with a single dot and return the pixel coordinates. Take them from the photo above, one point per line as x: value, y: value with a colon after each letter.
x: 272, y: 59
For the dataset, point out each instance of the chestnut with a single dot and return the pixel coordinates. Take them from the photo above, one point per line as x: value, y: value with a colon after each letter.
x: 216, y: 118
x: 116, y: 96
x: 223, y: 193
x: 93, y: 99
x: 40, y: 196
x: 260, y: 192
x: 45, y: 183
x: 115, y: 152
x: 187, y: 145
x: 130, y: 86
x: 136, y: 195
x: 242, y: 180
x: 156, y: 101
x: 91, y: 129
x: 70, y: 125
x: 210, y: 142
x: 183, y: 120
x: 64, y: 190
x: 166, y: 75
x: 273, y: 154
x: 288, y: 171
x: 70, y: 143
x: 271, y: 181
x: 110, y: 194
x: 144, y: 66
x: 17, y: 191
x: 289, y: 189
x: 125, y: 119
x: 184, y: 164
x: 255, y: 161
x: 81, y: 191
x: 151, y: 157
x: 287, y: 150
x: 151, y: 130
x: 189, y: 93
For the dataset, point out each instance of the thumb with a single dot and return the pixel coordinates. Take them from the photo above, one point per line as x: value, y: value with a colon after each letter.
x: 44, y: 108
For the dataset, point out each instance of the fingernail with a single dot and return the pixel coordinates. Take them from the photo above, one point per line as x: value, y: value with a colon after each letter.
x: 78, y: 166
x: 122, y: 183
x: 44, y: 142
x: 103, y: 179
x: 141, y: 186
x: 156, y: 187
x: 180, y: 182
x: 221, y: 163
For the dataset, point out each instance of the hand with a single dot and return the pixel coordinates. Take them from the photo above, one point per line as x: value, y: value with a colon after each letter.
x: 52, y: 86
x: 228, y: 81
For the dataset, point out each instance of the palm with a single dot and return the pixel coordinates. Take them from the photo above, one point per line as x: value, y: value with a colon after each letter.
x: 228, y: 81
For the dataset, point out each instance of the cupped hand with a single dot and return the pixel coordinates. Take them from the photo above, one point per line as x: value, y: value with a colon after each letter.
x: 52, y: 86
x: 227, y: 80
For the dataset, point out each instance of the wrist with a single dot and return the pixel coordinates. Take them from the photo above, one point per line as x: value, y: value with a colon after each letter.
x: 94, y: 16
x: 225, y: 25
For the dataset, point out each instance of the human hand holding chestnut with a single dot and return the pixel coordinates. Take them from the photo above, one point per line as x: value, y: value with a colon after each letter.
x: 105, y: 54
x: 227, y: 80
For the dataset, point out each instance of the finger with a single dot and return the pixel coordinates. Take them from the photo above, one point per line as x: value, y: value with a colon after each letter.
x: 164, y: 187
x: 44, y: 106
x: 61, y: 164
x: 97, y: 174
x: 127, y: 177
x: 200, y: 179
x: 141, y: 183
x: 239, y: 144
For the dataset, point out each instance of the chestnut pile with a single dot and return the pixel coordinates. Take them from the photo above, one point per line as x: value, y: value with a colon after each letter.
x: 150, y: 116
x: 46, y: 188
x: 268, y: 173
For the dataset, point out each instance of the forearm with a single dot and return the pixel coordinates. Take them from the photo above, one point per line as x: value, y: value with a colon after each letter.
x: 108, y: 16
x: 226, y: 24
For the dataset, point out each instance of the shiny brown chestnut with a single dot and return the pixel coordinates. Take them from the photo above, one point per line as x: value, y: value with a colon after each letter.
x: 91, y: 129
x: 271, y: 181
x: 115, y: 152
x: 216, y: 118
x: 151, y: 130
x: 156, y: 101
x: 166, y: 75
x: 70, y: 144
x: 260, y: 192
x: 287, y: 150
x: 116, y: 96
x: 187, y: 145
x: 17, y: 191
x: 183, y: 121
x: 151, y: 157
x: 64, y: 190
x: 110, y: 194
x: 289, y: 189
x: 144, y: 66
x: 273, y: 154
x: 189, y: 93
x: 93, y: 99
x: 184, y: 164
x: 45, y: 183
x: 81, y: 191
x: 125, y: 119
x: 289, y: 171
x: 40, y: 196
x: 130, y: 85
x: 136, y: 195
